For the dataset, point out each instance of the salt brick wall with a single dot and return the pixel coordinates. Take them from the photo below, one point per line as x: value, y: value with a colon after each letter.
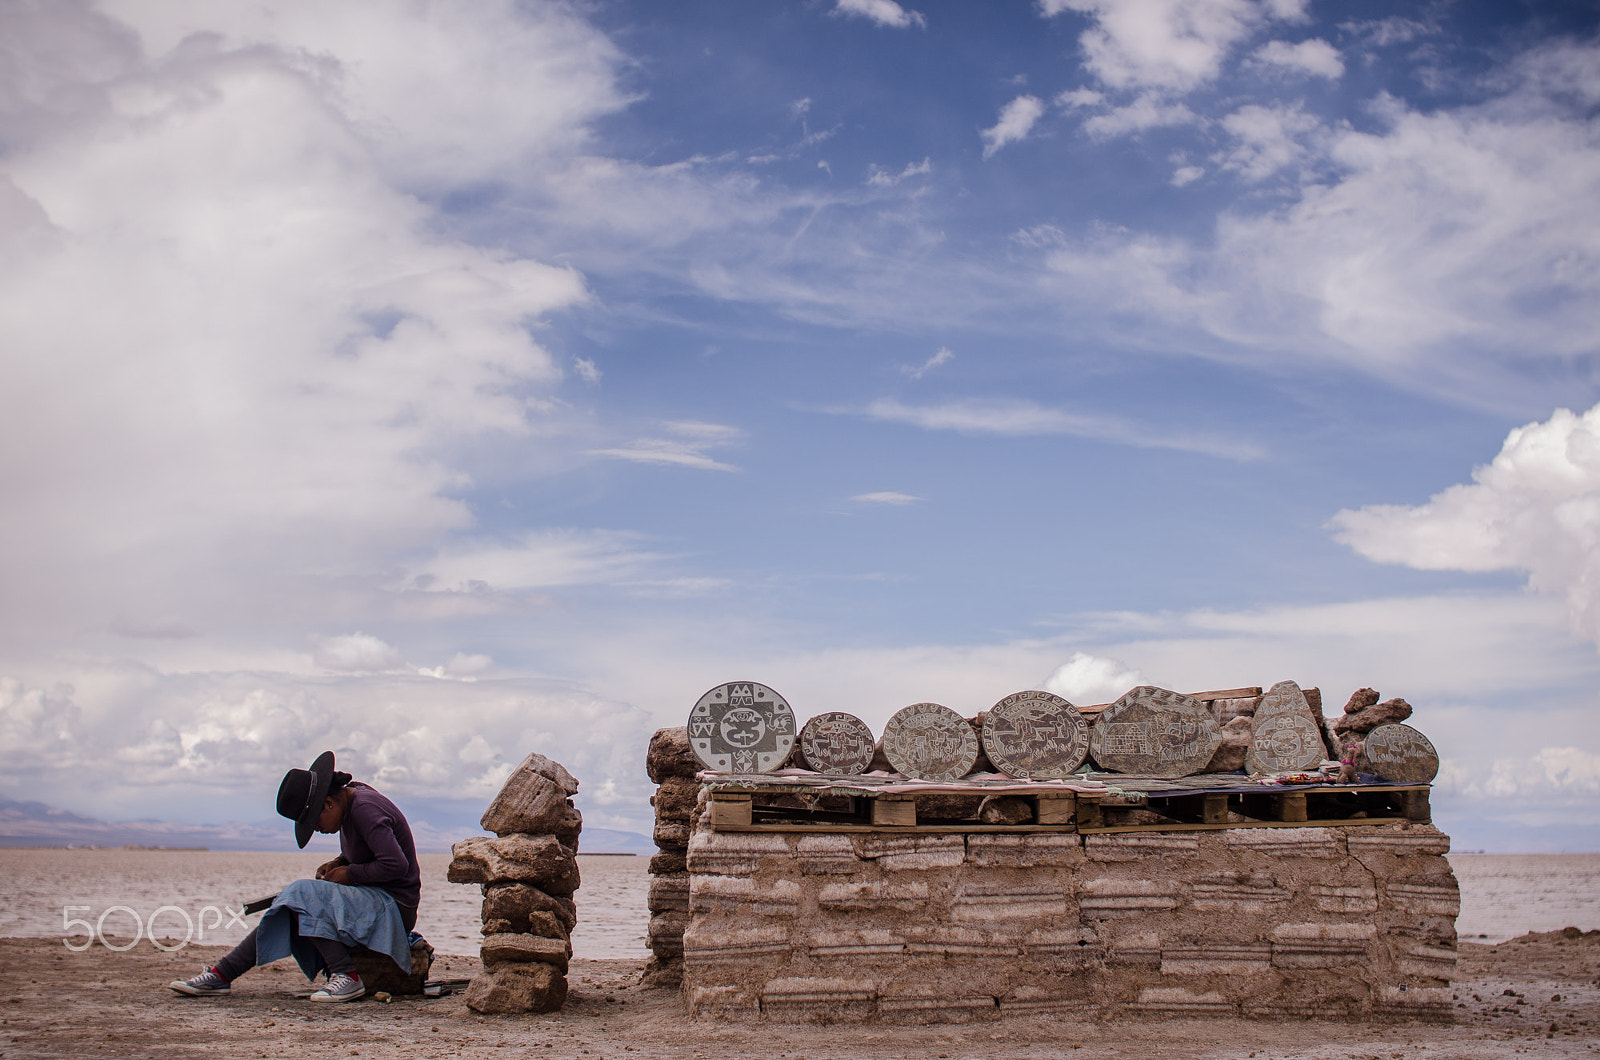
x: 1272, y: 922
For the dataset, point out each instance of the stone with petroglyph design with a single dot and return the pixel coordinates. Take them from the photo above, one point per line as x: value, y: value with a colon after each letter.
x: 930, y: 742
x: 837, y: 744
x: 1035, y: 735
x: 1155, y: 732
x: 741, y: 727
x: 1402, y: 754
x: 1284, y: 742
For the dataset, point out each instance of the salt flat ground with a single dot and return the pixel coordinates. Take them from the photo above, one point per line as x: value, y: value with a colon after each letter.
x: 104, y: 1004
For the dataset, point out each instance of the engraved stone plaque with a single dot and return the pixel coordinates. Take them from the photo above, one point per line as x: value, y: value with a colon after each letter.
x: 930, y: 742
x: 1402, y: 754
x: 1156, y: 733
x: 1284, y: 697
x: 1285, y: 742
x: 1035, y: 735
x: 837, y: 744
x: 741, y: 727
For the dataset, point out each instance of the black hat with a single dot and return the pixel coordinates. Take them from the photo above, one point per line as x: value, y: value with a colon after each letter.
x: 302, y: 793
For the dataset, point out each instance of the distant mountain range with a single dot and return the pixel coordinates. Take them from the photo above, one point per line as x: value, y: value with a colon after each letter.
x: 35, y: 824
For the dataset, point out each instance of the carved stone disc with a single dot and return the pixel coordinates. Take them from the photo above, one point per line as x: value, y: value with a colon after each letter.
x: 930, y: 742
x: 1035, y: 735
x: 741, y: 727
x: 1283, y: 742
x: 1402, y: 754
x: 837, y: 744
x: 1156, y: 733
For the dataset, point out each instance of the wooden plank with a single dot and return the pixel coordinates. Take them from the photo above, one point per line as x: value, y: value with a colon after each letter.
x: 898, y: 811
x: 1089, y: 814
x: 1291, y: 806
x: 1056, y: 809
x: 1359, y: 822
x: 1216, y: 809
x: 1225, y: 693
x: 730, y: 811
x: 1031, y: 829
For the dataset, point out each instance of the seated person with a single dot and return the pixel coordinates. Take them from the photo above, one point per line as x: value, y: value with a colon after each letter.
x: 367, y: 896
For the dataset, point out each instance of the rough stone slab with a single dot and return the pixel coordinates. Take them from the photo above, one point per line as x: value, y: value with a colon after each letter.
x: 856, y: 944
x: 1398, y: 841
x: 1428, y: 895
x: 665, y: 933
x: 544, y: 925
x: 824, y: 855
x: 1068, y: 949
x: 1134, y: 846
x: 669, y: 755
x: 1142, y: 948
x: 1176, y: 1001
x: 1154, y: 732
x: 538, y: 860
x: 873, y: 845
x: 1322, y: 945
x: 929, y: 741
x: 703, y: 944
x: 672, y: 835
x: 724, y: 1002
x: 1113, y: 897
x: 531, y: 987
x: 533, y: 798
x: 675, y: 799
x: 956, y: 941
x: 734, y: 853
x: 871, y: 896
x: 819, y: 998
x: 1355, y: 898
x: 1368, y: 713
x: 519, y: 904
x: 1035, y: 1002
x: 1414, y: 1002
x: 1225, y: 710
x: 669, y: 863
x: 1005, y: 809
x: 525, y: 949
x: 1237, y: 733
x: 1217, y: 958
x: 1006, y: 901
x: 1237, y: 891
x: 934, y: 1006
x: 1024, y: 851
x: 1287, y: 842
x: 669, y: 894
x: 741, y: 727
x: 778, y: 898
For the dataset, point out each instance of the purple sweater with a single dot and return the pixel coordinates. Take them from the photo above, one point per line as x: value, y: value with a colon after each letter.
x: 376, y: 841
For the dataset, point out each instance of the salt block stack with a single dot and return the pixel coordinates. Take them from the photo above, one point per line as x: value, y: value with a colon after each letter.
x: 1287, y: 923
x: 1363, y: 713
x: 671, y: 765
x: 528, y: 873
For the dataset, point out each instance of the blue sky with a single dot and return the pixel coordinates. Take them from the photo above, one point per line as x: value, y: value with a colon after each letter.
x: 438, y: 383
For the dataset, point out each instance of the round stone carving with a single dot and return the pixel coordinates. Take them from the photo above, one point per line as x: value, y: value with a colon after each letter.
x: 837, y: 744
x: 1285, y: 742
x: 1154, y: 732
x: 1402, y: 754
x: 930, y: 742
x: 1035, y: 735
x: 741, y: 727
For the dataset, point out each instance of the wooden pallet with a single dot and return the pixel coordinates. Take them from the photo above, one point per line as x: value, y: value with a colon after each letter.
x: 755, y: 811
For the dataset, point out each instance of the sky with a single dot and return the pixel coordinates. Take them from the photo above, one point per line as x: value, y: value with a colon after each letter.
x: 438, y: 383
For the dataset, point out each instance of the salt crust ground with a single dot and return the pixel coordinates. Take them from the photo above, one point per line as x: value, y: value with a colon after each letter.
x: 103, y: 1004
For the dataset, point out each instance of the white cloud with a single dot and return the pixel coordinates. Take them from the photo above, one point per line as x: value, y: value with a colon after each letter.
x: 883, y: 12
x: 586, y: 370
x: 1266, y: 139
x: 1016, y: 121
x: 1173, y: 45
x: 1022, y: 418
x: 1086, y: 679
x: 941, y: 357
x: 1315, y: 57
x: 1535, y: 508
x: 1148, y: 111
x: 1183, y: 176
x: 356, y: 653
x: 1440, y: 252
x: 540, y: 559
x: 887, y: 497
x: 685, y: 448
x: 882, y: 178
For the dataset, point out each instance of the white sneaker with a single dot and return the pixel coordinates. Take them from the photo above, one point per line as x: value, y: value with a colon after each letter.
x: 207, y: 984
x: 341, y: 988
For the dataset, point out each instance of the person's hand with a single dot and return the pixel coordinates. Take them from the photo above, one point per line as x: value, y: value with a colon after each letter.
x: 338, y: 874
x: 326, y: 868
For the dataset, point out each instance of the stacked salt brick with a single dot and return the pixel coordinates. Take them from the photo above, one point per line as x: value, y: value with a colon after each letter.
x: 1272, y: 922
x: 528, y: 875
x: 672, y: 765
